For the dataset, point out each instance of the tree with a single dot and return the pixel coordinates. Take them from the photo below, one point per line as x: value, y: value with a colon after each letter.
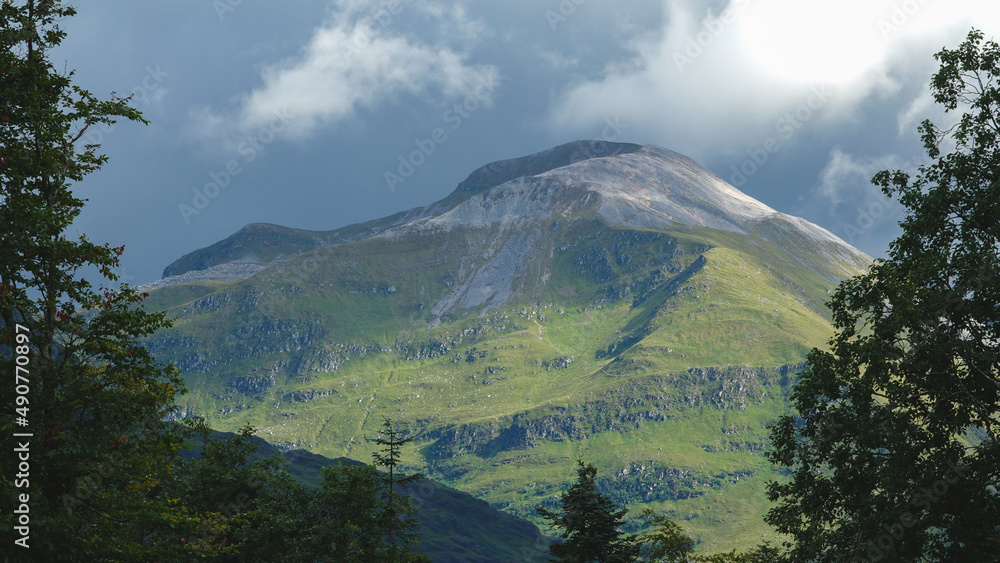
x: 893, y: 455
x: 89, y: 395
x: 261, y: 513
x: 590, y: 524
x: 666, y: 542
x: 349, y: 503
x: 397, y: 516
x: 258, y: 510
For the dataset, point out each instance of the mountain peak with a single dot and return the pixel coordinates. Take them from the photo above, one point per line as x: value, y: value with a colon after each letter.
x: 625, y: 185
x: 501, y: 171
x: 665, y: 188
x: 628, y: 187
x: 644, y: 186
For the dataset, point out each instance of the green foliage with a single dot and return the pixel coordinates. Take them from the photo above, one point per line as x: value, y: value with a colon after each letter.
x: 397, y: 515
x: 255, y: 504
x: 350, y: 501
x: 666, y: 542
x: 590, y: 524
x: 261, y: 513
x: 894, y: 454
x: 95, y: 399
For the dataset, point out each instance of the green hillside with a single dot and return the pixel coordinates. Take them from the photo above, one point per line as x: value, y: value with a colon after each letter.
x: 617, y: 361
x: 660, y: 355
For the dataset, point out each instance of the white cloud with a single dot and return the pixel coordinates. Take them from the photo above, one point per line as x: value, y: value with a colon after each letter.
x: 359, y: 58
x: 720, y: 81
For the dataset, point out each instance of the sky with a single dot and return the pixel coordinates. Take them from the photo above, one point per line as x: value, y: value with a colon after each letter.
x: 316, y: 114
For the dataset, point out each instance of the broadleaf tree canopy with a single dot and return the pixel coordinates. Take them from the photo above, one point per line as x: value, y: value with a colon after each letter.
x: 893, y: 454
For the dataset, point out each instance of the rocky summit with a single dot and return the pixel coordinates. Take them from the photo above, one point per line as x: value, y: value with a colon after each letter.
x: 610, y: 302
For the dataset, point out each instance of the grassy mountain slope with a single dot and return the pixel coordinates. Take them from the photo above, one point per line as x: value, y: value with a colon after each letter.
x: 522, y: 329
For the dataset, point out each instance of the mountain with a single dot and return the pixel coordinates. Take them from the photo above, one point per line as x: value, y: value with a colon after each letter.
x: 259, y: 243
x: 606, y: 301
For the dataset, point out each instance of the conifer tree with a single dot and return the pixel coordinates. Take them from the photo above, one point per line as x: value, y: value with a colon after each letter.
x: 398, y: 513
x: 590, y: 524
